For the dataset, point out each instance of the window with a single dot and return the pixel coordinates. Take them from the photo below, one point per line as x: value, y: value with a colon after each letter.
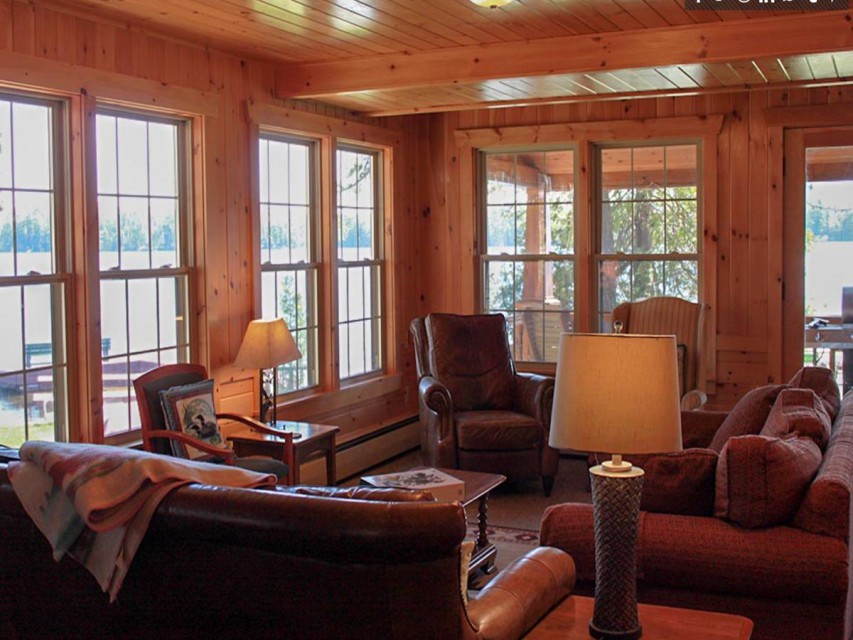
x: 649, y: 225
x: 289, y: 265
x: 144, y: 257
x: 528, y: 247
x: 359, y: 261
x: 33, y: 272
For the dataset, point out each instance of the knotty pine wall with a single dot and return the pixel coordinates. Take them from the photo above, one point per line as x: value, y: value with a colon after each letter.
x: 433, y: 268
x: 49, y: 50
x: 748, y: 305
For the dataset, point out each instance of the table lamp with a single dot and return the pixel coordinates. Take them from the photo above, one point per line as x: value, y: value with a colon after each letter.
x: 267, y: 344
x: 616, y: 394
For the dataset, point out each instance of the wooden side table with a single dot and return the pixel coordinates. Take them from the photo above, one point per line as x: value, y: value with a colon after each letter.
x: 570, y: 621
x: 313, y: 439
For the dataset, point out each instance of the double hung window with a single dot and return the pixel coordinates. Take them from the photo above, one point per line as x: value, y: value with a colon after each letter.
x: 529, y: 247
x: 641, y: 235
x: 321, y: 256
x: 649, y: 225
x: 288, y: 245
x: 143, y: 254
x: 359, y: 262
x: 33, y: 272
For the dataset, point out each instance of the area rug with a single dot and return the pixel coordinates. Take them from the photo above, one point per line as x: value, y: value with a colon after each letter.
x: 510, y: 543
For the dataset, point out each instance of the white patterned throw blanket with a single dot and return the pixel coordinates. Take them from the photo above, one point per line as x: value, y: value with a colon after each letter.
x: 94, y: 502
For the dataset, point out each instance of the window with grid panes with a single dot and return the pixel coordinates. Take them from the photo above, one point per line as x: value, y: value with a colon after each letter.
x: 33, y: 273
x: 288, y: 246
x: 359, y: 261
x: 143, y: 252
x: 648, y: 225
x: 528, y: 245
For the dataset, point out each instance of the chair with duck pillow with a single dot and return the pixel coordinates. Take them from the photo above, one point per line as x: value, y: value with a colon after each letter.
x: 178, y: 419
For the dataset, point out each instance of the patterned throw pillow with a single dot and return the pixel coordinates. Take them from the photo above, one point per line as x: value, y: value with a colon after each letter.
x: 190, y: 410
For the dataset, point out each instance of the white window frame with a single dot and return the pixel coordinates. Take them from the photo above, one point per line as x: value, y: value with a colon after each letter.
x: 307, y: 334
x: 181, y: 273
x: 372, y: 269
x: 670, y: 257
x: 58, y: 279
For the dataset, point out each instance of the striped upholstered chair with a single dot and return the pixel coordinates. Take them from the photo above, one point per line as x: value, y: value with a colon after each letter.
x: 671, y: 316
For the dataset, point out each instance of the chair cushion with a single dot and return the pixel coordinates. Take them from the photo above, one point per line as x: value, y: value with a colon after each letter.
x: 800, y: 411
x: 189, y: 409
x: 821, y: 381
x: 747, y: 416
x: 497, y: 431
x: 761, y: 481
x: 470, y: 355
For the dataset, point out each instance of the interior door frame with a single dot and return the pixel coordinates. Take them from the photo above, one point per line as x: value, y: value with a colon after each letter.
x: 797, y: 140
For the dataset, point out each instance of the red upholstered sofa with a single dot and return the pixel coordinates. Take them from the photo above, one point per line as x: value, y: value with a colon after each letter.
x: 791, y: 578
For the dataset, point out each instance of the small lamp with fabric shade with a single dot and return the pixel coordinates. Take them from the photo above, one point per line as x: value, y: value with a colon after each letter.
x: 266, y: 345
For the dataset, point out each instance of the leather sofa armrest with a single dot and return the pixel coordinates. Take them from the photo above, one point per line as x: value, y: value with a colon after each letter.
x: 698, y: 427
x: 512, y: 603
x: 534, y: 395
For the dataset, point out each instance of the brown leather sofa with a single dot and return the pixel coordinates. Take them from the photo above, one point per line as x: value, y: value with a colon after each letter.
x: 282, y: 563
x: 477, y: 412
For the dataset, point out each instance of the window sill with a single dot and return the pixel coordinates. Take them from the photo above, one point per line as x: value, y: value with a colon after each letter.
x: 327, y: 401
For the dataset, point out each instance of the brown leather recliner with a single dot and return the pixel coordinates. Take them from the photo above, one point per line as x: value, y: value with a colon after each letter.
x: 477, y: 412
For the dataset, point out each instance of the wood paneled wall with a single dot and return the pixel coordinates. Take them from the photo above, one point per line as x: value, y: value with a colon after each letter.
x: 433, y: 267
x: 748, y: 308
x: 64, y: 54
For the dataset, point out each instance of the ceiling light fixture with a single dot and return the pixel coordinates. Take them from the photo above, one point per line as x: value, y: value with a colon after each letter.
x: 491, y: 4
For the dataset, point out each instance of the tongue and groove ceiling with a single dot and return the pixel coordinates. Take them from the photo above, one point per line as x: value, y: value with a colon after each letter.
x: 387, y: 57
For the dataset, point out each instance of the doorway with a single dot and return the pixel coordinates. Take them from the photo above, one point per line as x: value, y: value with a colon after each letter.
x: 818, y: 251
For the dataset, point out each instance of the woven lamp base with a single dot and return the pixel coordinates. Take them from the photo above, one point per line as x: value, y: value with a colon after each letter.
x: 616, y: 514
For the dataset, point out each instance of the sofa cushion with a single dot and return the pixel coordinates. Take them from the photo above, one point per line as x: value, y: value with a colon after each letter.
x: 822, y: 382
x: 747, y: 416
x: 497, y: 431
x: 761, y: 481
x: 826, y: 508
x: 798, y: 411
x: 708, y: 555
x: 681, y: 482
x: 470, y: 355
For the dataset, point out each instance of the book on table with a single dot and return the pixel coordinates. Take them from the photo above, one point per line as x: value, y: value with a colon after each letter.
x: 442, y: 485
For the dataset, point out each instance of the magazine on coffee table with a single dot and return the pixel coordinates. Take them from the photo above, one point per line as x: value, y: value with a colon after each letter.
x: 442, y: 485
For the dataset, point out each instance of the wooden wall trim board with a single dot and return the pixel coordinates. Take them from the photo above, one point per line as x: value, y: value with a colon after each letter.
x: 609, y: 130
x: 58, y: 77
x: 694, y: 43
x: 295, y: 121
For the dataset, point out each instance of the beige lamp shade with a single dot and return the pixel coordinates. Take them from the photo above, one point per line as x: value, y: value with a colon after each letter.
x: 616, y: 394
x: 267, y: 344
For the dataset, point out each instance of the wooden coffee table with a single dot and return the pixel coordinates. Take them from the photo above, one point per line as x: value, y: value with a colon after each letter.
x: 570, y: 621
x: 477, y: 487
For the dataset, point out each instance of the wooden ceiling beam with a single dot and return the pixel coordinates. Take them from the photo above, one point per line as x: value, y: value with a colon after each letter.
x: 697, y: 43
